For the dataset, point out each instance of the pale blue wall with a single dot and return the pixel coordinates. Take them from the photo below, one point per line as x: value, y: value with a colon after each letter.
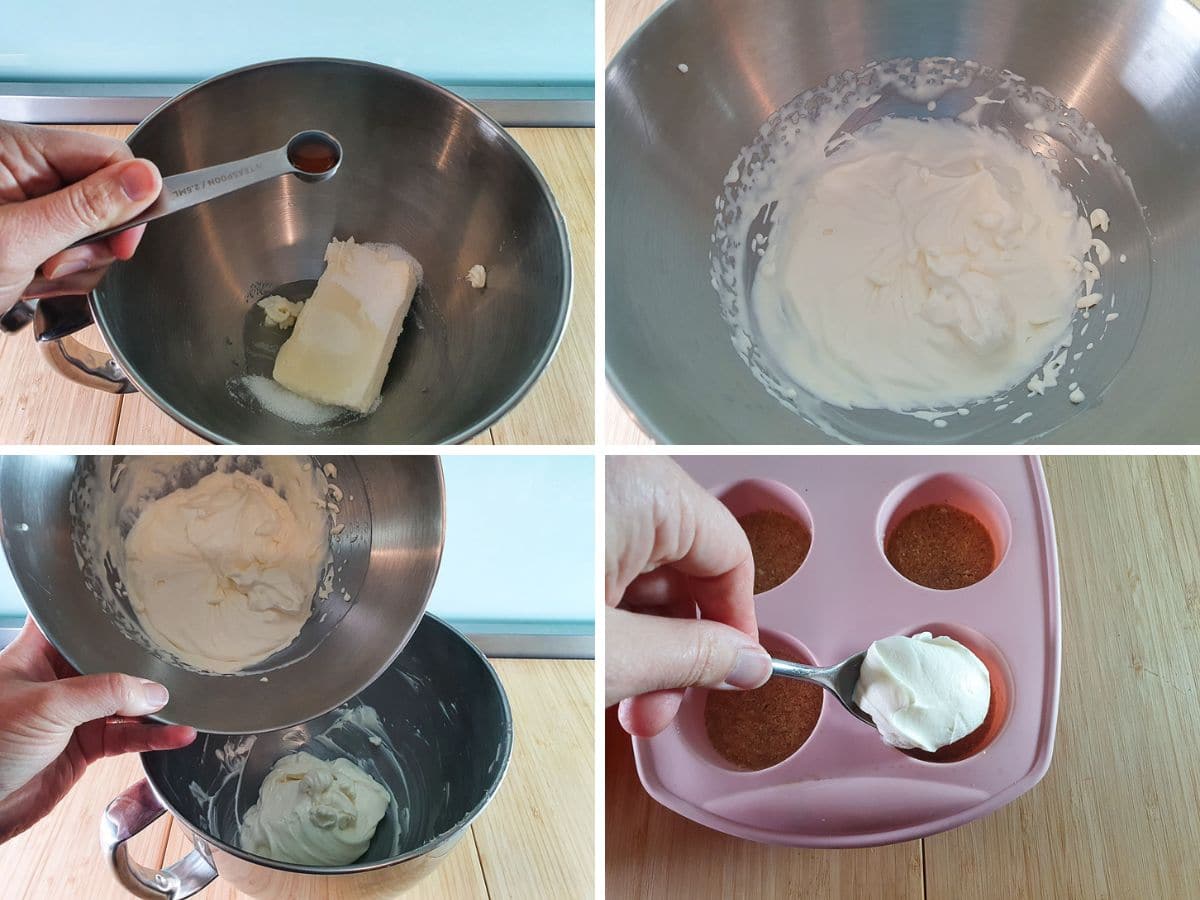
x: 519, y: 544
x: 451, y: 41
x: 520, y: 540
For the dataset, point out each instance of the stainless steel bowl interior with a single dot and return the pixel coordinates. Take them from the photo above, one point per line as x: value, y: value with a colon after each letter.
x: 388, y: 554
x: 421, y: 168
x: 1131, y: 68
x: 444, y: 710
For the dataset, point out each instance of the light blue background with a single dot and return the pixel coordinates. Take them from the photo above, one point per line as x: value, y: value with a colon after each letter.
x: 451, y: 41
x: 519, y: 551
x: 520, y: 540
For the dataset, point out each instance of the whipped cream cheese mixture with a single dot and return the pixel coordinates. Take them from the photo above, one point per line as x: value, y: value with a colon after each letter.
x: 923, y: 692
x: 314, y: 812
x: 922, y: 264
x: 323, y: 801
x: 220, y: 565
x: 914, y: 264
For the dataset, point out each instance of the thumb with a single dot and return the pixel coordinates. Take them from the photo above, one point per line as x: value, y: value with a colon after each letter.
x: 73, y: 701
x: 108, y: 197
x: 653, y: 653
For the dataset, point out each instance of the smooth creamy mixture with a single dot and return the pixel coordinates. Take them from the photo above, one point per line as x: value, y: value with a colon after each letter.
x: 924, y: 263
x: 300, y: 812
x: 314, y: 812
x: 221, y: 569
x: 923, y: 692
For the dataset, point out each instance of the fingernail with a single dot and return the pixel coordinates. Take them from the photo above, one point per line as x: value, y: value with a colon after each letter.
x: 65, y: 268
x: 751, y: 669
x: 155, y: 695
x: 137, y: 180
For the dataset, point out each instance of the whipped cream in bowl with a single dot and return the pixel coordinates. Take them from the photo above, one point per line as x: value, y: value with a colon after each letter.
x: 222, y: 574
x: 215, y: 564
x: 261, y: 590
x: 945, y: 271
x: 363, y: 800
x: 930, y: 695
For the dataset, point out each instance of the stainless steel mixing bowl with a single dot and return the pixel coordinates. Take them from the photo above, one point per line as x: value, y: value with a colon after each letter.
x: 387, y: 559
x: 1132, y: 68
x: 422, y: 168
x: 443, y: 709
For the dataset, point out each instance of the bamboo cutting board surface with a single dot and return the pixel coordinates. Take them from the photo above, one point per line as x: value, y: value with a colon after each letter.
x: 535, y: 839
x: 44, y: 408
x: 1116, y: 815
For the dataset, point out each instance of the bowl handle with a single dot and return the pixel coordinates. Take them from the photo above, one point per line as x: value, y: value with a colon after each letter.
x: 54, y: 321
x: 124, y: 817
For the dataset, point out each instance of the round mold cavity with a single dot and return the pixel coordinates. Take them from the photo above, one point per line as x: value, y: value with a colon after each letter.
x: 778, y: 556
x: 693, y: 723
x: 999, y: 708
x: 962, y: 492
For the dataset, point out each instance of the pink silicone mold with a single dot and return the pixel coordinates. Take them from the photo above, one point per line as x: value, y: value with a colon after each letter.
x: 844, y: 787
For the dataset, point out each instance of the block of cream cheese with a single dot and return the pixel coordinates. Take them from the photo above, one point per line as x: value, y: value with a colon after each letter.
x: 344, y: 337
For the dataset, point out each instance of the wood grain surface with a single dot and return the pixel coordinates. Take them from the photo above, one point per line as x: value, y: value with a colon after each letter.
x: 1116, y: 815
x: 622, y: 18
x: 44, y: 408
x: 535, y: 840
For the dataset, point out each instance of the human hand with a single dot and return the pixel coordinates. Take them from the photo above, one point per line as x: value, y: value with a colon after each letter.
x: 54, y: 723
x: 671, y: 549
x: 58, y: 187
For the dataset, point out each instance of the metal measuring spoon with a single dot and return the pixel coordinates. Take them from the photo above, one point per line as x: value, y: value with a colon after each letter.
x: 310, y: 156
x: 840, y: 680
